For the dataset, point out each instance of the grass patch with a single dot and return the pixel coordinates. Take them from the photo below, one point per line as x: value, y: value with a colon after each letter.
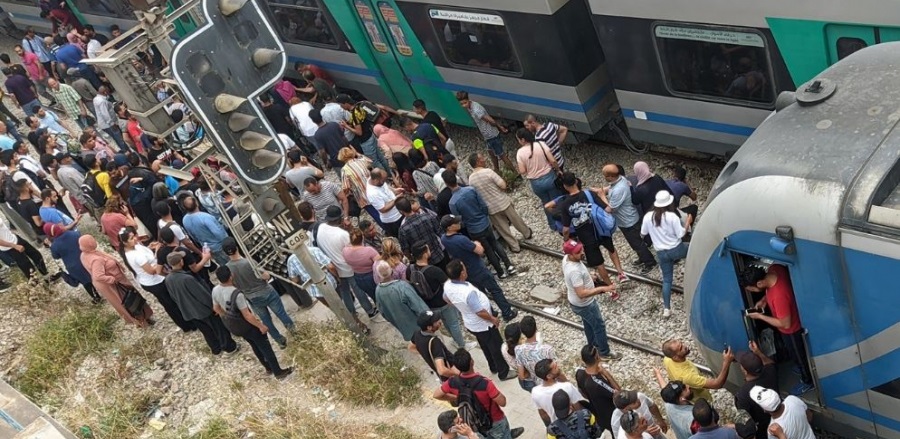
x: 59, y: 344
x: 124, y: 415
x: 343, y: 365
x: 294, y: 425
x: 512, y: 178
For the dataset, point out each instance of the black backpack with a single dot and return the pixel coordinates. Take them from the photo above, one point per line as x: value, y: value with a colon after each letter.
x: 563, y: 429
x: 233, y: 319
x: 416, y: 277
x: 8, y: 191
x: 469, y: 407
x: 92, y: 189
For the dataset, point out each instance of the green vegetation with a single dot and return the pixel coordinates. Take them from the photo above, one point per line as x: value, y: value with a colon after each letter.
x: 123, y: 415
x: 297, y: 426
x: 59, y: 345
x: 344, y: 365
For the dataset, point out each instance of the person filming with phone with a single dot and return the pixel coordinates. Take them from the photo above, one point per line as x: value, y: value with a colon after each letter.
x: 679, y: 368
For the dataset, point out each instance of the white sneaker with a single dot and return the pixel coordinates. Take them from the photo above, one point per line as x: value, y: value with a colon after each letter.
x: 623, y: 278
x: 469, y: 346
x: 667, y: 312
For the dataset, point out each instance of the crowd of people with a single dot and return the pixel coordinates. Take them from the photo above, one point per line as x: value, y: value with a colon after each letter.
x: 404, y: 232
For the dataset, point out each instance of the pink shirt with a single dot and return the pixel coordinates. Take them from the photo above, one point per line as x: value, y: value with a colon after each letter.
x: 399, y: 273
x: 286, y: 90
x: 111, y: 224
x: 533, y: 159
x: 360, y: 258
x: 34, y: 67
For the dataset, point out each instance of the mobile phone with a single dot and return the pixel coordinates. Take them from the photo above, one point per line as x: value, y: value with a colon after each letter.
x: 749, y: 311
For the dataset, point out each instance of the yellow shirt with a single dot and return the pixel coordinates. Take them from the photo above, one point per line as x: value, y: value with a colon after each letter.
x: 103, y: 182
x: 687, y: 373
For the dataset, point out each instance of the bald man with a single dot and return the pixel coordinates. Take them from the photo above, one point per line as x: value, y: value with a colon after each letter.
x: 383, y: 197
x: 70, y: 100
x: 617, y: 197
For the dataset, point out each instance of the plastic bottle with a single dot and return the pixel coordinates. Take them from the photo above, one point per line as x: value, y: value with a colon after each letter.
x: 206, y: 250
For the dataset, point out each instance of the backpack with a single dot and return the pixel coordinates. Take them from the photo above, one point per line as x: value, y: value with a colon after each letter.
x: 38, y: 181
x: 564, y: 431
x: 416, y: 277
x: 92, y: 189
x: 469, y: 407
x: 604, y: 222
x: 371, y: 111
x: 233, y: 319
x: 8, y: 191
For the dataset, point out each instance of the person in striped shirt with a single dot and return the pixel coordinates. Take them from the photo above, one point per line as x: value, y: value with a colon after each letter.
x: 552, y: 134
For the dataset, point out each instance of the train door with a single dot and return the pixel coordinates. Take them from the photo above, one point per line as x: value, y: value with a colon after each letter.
x: 765, y: 335
x: 387, y: 50
x: 185, y: 24
x: 844, y: 39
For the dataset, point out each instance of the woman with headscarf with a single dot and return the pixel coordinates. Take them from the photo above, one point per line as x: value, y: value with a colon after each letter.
x: 391, y: 141
x: 106, y: 273
x: 142, y: 262
x: 648, y: 185
x: 64, y: 246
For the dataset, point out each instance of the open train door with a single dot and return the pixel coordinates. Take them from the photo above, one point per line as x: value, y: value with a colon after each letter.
x: 405, y: 66
x: 385, y: 54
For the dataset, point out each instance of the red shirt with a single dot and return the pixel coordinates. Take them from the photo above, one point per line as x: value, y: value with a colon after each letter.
x: 486, y: 391
x: 320, y: 73
x: 135, y: 132
x: 780, y: 298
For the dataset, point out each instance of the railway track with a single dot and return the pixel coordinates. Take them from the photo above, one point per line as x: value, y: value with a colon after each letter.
x: 642, y: 347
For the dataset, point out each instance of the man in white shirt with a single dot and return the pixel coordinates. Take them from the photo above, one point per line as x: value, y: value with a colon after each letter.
x: 382, y: 197
x: 581, y: 293
x: 790, y: 418
x: 479, y: 317
x: 331, y: 239
x: 637, y: 402
x: 542, y: 396
x: 300, y: 116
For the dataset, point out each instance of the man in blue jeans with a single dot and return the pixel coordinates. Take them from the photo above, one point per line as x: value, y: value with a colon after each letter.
x: 489, y: 128
x: 581, y: 293
x: 257, y: 291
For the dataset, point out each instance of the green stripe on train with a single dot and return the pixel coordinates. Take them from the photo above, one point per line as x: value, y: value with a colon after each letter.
x: 809, y: 47
x: 396, y: 63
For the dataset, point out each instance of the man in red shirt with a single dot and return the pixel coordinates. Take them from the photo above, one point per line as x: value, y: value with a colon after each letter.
x: 776, y: 283
x: 485, y: 392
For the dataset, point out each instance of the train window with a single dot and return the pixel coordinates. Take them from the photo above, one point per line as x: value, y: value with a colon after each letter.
x: 302, y: 21
x: 109, y: 8
x: 890, y: 388
x: 390, y: 17
x: 475, y: 41
x: 715, y: 62
x: 847, y: 45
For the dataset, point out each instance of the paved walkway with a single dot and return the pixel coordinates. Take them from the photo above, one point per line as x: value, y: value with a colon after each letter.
x: 20, y: 419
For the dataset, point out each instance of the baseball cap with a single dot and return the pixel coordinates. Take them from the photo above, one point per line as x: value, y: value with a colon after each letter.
x: 572, y: 246
x: 751, y: 363
x: 672, y: 392
x: 449, y: 220
x: 624, y: 398
x: 561, y: 404
x: 174, y: 258
x: 427, y: 318
x: 766, y: 399
x: 229, y: 246
x: 343, y: 98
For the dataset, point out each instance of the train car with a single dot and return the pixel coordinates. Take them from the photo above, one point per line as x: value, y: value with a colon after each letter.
x: 815, y: 189
x: 703, y: 74
x: 102, y: 14
x: 514, y: 56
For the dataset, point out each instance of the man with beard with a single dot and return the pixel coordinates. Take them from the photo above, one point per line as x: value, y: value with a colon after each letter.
x: 681, y: 369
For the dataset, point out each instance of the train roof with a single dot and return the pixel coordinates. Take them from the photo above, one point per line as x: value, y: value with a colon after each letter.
x: 842, y: 129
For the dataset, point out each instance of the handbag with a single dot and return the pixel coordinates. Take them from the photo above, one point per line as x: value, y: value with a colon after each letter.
x: 132, y: 301
x: 557, y: 182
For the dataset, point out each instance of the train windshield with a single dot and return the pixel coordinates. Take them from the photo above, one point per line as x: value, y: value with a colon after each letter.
x: 715, y: 62
x: 475, y: 40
